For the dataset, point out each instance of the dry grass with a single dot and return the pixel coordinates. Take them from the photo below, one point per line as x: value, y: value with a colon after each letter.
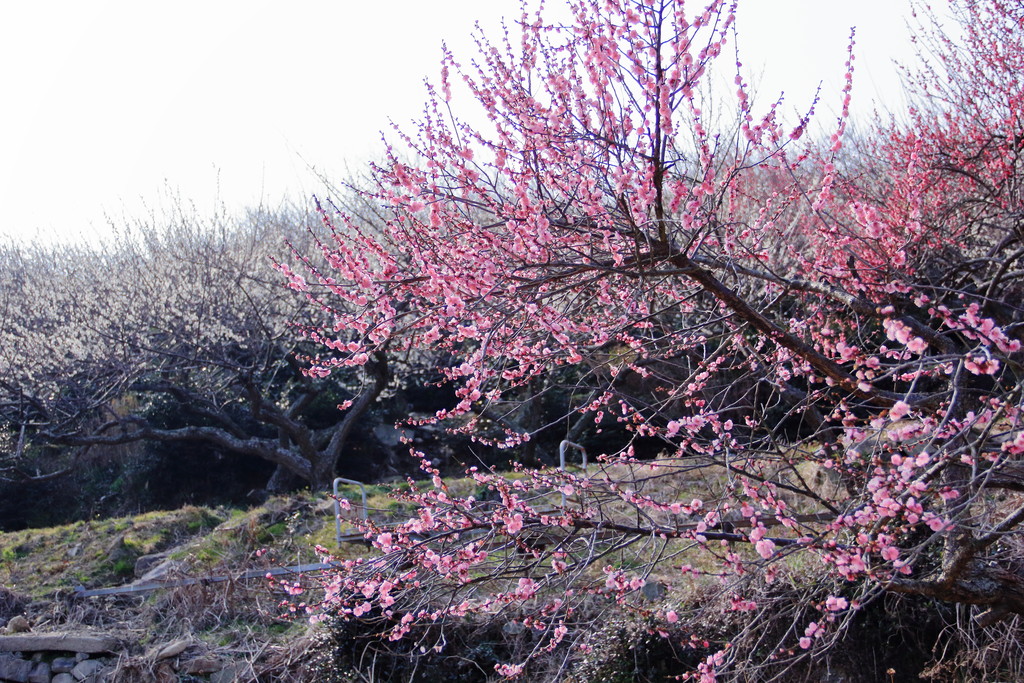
x: 237, y: 623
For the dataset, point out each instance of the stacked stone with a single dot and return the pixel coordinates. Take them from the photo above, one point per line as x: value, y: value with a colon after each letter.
x: 55, y: 658
x: 90, y: 658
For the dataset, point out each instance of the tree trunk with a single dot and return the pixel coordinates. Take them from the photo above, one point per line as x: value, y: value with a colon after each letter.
x: 283, y: 480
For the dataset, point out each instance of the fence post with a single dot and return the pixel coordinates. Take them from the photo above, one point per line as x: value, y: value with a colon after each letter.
x: 337, y: 506
x: 562, y: 447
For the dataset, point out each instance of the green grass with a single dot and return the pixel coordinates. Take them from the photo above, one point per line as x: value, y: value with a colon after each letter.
x: 214, y: 542
x: 38, y: 562
x: 207, y: 541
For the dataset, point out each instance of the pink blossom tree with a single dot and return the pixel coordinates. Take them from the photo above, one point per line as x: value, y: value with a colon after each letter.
x: 827, y: 350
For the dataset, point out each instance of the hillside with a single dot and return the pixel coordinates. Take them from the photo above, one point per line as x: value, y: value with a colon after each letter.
x: 225, y: 630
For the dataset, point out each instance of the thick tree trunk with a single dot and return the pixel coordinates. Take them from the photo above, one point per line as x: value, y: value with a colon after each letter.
x: 283, y: 480
x: 322, y: 466
x: 997, y: 588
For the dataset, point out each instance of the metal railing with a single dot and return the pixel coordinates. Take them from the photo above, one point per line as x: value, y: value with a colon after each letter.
x: 337, y: 505
x: 562, y: 448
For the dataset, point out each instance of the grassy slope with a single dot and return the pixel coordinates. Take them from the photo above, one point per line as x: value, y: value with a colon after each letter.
x: 237, y: 622
x: 39, y: 563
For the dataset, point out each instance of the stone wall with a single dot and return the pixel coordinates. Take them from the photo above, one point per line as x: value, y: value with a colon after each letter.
x: 73, y: 657
x: 57, y: 658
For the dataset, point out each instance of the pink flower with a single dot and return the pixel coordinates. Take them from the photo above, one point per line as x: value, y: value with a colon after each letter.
x: 527, y: 588
x: 899, y: 410
x: 981, y: 366
x: 834, y: 604
x: 917, y: 345
x: 671, y: 617
x: 509, y: 670
x: 515, y: 524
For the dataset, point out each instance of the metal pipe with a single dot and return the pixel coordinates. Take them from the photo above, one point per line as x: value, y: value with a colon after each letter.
x: 337, y: 505
x: 562, y: 448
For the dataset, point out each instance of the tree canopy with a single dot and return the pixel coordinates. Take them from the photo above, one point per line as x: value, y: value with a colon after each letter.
x: 176, y: 331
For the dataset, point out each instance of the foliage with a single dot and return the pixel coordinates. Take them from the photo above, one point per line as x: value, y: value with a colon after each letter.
x: 825, y: 345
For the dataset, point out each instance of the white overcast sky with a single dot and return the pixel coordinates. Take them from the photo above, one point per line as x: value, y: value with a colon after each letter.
x: 108, y: 106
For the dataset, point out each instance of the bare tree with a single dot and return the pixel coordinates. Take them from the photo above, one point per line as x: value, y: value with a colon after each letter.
x: 175, y: 330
